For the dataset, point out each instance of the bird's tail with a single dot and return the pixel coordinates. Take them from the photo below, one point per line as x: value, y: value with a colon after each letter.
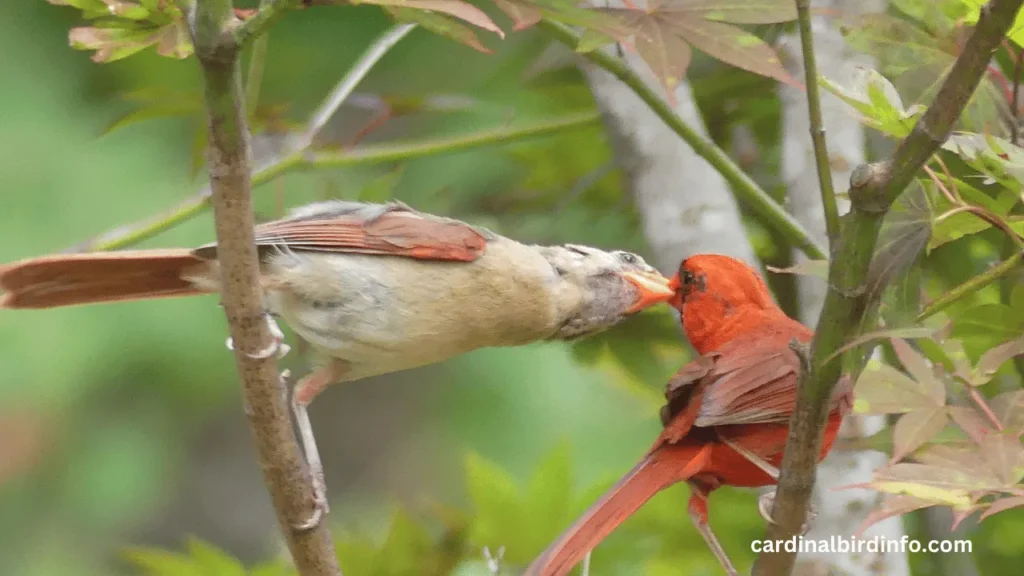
x: 659, y: 470
x: 70, y: 279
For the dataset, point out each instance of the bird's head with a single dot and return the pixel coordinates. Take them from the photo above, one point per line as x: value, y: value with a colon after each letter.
x: 601, y: 288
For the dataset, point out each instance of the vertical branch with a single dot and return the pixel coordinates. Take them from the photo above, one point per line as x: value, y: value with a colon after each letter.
x: 828, y: 193
x: 254, y: 343
x: 873, y: 189
x: 1015, y: 97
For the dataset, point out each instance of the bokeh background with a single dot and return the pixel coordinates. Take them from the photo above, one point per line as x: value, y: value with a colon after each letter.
x: 121, y: 425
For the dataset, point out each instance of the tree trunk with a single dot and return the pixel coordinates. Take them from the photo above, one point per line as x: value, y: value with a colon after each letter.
x: 685, y: 204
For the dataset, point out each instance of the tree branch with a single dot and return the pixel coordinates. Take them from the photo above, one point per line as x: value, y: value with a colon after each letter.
x: 972, y: 286
x: 873, y: 189
x: 136, y: 232
x: 266, y: 405
x: 743, y: 186
x: 828, y: 193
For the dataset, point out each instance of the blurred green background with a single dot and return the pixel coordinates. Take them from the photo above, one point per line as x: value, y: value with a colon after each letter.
x: 121, y: 425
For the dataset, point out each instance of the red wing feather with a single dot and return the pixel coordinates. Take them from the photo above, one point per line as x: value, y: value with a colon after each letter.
x: 753, y: 383
x: 395, y: 232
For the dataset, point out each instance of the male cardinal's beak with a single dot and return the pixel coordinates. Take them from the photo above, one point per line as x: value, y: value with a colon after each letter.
x: 676, y: 285
x: 653, y: 288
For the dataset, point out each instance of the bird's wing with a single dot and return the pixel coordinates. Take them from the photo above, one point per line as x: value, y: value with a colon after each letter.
x: 747, y: 381
x: 390, y: 229
x: 754, y: 381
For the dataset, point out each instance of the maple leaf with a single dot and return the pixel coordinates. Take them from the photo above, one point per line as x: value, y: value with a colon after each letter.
x: 665, y: 33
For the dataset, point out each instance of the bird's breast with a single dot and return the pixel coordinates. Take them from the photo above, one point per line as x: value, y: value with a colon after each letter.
x: 383, y: 313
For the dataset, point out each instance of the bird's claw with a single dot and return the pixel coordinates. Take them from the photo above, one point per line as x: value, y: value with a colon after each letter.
x: 764, y: 508
x: 320, y: 505
x: 277, y: 344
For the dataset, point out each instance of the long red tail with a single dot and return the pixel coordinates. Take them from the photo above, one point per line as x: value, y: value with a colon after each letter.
x: 659, y: 470
x: 69, y: 279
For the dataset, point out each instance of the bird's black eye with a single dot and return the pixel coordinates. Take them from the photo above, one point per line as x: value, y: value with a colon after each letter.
x: 688, y: 278
x: 628, y: 257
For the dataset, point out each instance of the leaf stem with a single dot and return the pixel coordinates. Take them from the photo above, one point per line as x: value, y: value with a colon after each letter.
x: 743, y: 186
x: 827, y: 190
x: 972, y: 286
x: 254, y: 79
x: 134, y: 233
x: 873, y: 189
x: 344, y: 88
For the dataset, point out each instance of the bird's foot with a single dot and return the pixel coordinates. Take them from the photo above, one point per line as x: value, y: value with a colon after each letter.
x: 764, y: 507
x: 316, y: 468
x: 277, y: 344
x: 320, y: 506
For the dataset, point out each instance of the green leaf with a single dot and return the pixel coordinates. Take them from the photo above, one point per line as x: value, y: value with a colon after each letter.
x: 918, y: 60
x: 439, y: 24
x: 522, y: 13
x: 740, y: 11
x: 668, y: 55
x: 877, y: 102
x: 990, y: 321
x: 881, y: 389
x: 936, y: 15
x: 1016, y: 32
x: 991, y: 360
x: 213, y: 561
x: 162, y: 110
x: 915, y: 428
x: 904, y: 236
x: 733, y: 46
x: 110, y: 44
x: 155, y: 562
x: 549, y: 497
x: 496, y: 504
x: 461, y: 10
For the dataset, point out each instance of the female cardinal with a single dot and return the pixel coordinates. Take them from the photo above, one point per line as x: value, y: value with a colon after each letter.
x: 375, y: 288
x: 727, y: 416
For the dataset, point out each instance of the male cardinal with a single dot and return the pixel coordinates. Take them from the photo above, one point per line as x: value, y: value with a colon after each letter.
x: 375, y: 288
x: 726, y: 420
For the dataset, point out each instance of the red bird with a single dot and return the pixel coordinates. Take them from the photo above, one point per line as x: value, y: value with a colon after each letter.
x: 727, y: 416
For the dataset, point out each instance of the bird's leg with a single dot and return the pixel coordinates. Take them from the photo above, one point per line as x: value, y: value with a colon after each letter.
x: 764, y: 507
x: 306, y: 389
x: 699, y: 516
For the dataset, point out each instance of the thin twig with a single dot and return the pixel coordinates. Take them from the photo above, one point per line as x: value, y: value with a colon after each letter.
x: 827, y: 190
x: 253, y: 339
x: 344, y: 88
x: 972, y: 286
x: 873, y: 189
x: 254, y: 79
x: 289, y: 158
x: 254, y: 26
x: 1015, y: 99
x: 136, y: 232
x: 752, y: 195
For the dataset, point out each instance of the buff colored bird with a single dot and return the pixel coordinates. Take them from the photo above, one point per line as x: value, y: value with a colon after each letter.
x: 375, y: 288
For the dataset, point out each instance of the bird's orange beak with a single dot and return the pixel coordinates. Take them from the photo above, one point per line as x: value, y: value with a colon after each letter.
x: 653, y: 288
x: 676, y: 285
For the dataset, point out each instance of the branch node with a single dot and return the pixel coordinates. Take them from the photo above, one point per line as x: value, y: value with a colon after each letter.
x: 867, y: 185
